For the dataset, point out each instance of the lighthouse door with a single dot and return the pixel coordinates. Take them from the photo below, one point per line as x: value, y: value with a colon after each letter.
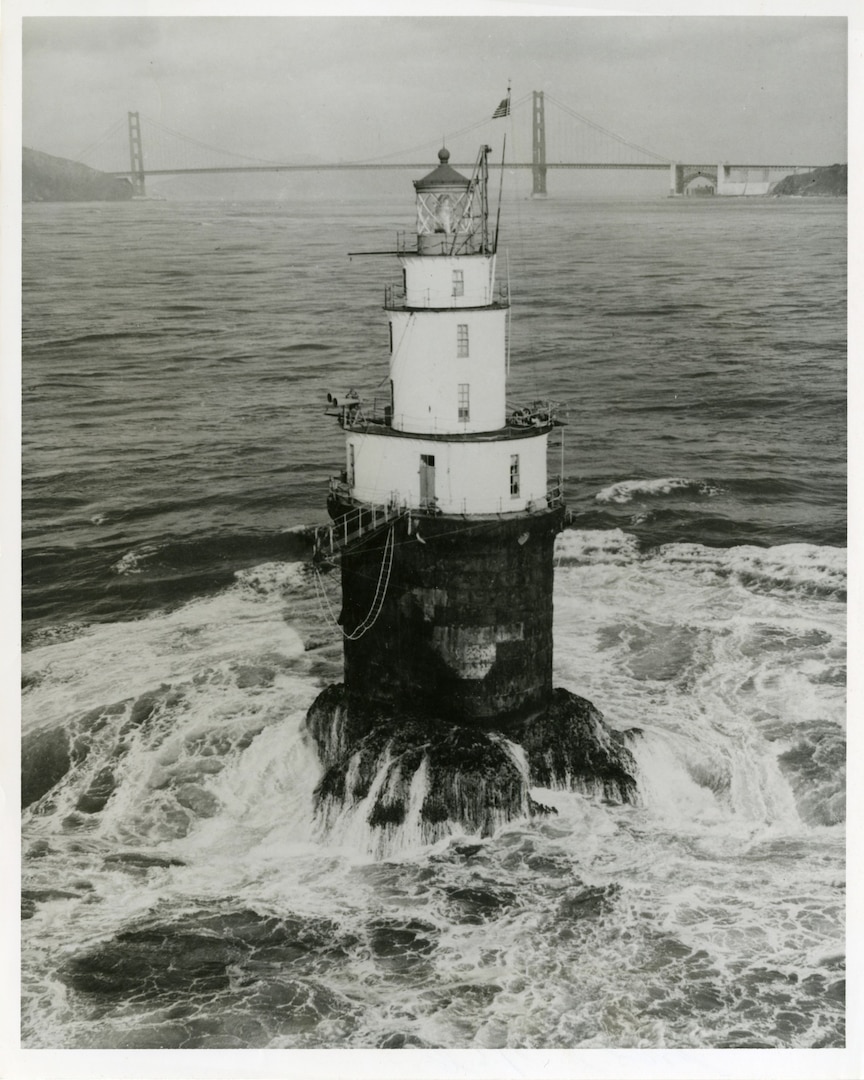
x: 427, y: 479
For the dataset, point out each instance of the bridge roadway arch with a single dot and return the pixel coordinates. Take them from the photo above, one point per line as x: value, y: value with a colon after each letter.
x: 733, y: 179
x: 684, y: 175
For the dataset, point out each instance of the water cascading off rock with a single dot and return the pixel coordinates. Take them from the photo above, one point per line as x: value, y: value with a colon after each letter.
x: 475, y: 777
x: 444, y: 522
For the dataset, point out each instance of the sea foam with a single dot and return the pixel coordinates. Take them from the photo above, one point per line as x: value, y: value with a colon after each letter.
x: 626, y: 491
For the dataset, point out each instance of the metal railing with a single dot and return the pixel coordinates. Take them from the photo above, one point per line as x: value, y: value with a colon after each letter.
x: 395, y: 298
x: 555, y: 493
x: 359, y: 417
x: 537, y: 414
x: 332, y: 539
x: 355, y: 414
x: 364, y: 516
x: 406, y: 242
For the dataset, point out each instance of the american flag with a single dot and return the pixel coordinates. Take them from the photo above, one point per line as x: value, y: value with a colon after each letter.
x: 503, y: 109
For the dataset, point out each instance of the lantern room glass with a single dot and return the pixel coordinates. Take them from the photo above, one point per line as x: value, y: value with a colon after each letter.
x: 448, y: 221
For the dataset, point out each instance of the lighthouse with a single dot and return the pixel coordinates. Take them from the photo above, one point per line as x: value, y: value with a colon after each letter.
x: 445, y: 500
x: 443, y: 523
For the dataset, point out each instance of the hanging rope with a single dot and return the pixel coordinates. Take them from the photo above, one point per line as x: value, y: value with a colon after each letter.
x: 377, y: 606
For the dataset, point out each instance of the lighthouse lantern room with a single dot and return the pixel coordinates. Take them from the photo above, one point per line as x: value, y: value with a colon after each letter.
x: 444, y: 517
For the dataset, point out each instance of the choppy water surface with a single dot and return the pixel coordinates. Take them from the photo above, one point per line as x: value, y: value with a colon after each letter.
x: 178, y: 890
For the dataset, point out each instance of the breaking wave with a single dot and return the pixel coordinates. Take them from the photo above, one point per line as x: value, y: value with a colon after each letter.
x: 180, y: 888
x: 626, y: 491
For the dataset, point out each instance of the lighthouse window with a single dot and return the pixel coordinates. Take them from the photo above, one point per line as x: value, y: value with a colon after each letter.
x: 351, y: 464
x: 462, y: 339
x: 458, y: 283
x: 514, y: 475
x: 390, y: 327
x: 464, y: 405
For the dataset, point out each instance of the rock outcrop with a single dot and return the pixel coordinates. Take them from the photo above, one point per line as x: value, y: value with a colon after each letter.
x: 828, y: 181
x: 474, y: 776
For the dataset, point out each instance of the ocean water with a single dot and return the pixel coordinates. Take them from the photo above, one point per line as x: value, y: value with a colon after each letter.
x: 178, y: 890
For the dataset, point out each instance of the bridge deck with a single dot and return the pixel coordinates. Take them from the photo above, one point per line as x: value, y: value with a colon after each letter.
x: 419, y: 167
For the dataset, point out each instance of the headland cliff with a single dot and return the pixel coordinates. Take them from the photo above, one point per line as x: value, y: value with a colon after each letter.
x: 831, y: 180
x: 46, y: 178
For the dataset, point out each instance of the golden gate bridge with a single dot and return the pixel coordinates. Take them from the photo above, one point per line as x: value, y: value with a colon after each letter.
x: 558, y: 138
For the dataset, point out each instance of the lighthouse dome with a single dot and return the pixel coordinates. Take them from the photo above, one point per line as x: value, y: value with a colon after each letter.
x: 444, y: 176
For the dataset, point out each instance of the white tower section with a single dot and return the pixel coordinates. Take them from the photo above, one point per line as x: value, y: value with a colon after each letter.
x: 444, y: 442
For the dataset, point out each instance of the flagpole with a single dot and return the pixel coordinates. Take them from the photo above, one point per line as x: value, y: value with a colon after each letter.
x: 500, y: 192
x: 501, y: 179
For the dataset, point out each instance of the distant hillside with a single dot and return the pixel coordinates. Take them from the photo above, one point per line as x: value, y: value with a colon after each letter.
x: 53, y: 179
x: 828, y: 181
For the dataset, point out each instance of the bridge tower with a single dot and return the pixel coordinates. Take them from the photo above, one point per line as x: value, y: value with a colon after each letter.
x: 136, y: 156
x: 538, y: 127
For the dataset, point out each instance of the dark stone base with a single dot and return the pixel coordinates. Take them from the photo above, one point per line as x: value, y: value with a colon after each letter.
x: 474, y: 775
x: 467, y: 610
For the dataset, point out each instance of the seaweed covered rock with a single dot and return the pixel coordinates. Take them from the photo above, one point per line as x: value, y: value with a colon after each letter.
x: 570, y: 745
x: 449, y: 772
x: 441, y: 773
x: 46, y: 757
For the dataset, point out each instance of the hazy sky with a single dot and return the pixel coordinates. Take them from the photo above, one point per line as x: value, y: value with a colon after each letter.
x: 759, y: 89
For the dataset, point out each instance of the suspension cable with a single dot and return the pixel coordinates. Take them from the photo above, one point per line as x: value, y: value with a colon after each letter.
x: 451, y: 135
x: 101, y: 140
x: 207, y: 146
x: 270, y: 161
x: 606, y: 131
